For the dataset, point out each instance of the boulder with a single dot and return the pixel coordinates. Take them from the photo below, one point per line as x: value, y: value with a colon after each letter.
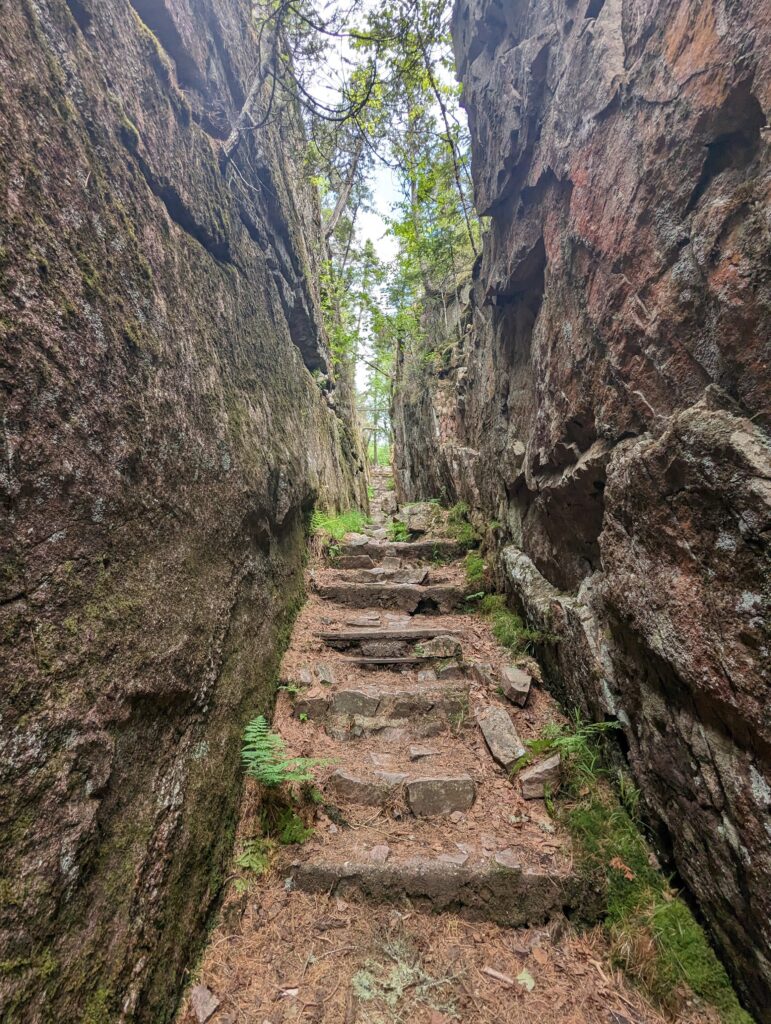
x: 441, y: 647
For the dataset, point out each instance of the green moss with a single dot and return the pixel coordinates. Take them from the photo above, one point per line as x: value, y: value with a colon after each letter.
x: 129, y: 133
x: 653, y: 935
x: 459, y: 527
x: 97, y: 1009
x: 475, y: 570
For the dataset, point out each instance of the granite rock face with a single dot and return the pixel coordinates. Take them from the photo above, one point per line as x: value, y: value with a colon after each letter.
x: 604, y: 396
x: 163, y: 440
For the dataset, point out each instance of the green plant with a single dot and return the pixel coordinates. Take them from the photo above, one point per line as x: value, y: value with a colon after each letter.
x: 370, y: 492
x: 397, y: 531
x: 336, y: 525
x: 255, y: 856
x: 653, y: 935
x: 264, y: 757
x: 475, y: 569
x: 390, y: 484
x: 288, y: 827
x: 459, y: 527
x: 509, y: 629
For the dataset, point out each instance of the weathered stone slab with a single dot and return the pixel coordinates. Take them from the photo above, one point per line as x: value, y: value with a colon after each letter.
x: 538, y: 778
x: 355, y: 702
x: 501, y: 737
x: 482, y: 672
x: 359, y: 789
x: 442, y: 794
x: 515, y: 684
x: 354, y: 562
x: 417, y: 753
x: 325, y: 674
x: 313, y: 707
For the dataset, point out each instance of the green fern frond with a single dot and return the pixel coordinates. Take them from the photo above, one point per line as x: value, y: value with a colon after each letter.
x: 265, y: 759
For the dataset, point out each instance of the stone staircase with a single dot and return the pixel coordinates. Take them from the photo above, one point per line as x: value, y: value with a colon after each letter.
x: 418, y: 714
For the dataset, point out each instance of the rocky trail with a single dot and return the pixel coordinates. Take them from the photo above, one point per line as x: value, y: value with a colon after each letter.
x: 433, y: 888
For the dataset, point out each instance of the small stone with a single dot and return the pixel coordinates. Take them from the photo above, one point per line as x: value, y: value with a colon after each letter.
x: 515, y: 684
x: 314, y: 708
x: 417, y: 753
x: 443, y: 646
x: 427, y: 676
x: 382, y: 760
x: 442, y: 794
x: 452, y: 671
x: 482, y: 672
x: 539, y: 777
x: 203, y: 1003
x: 453, y: 858
x: 380, y: 854
x: 501, y: 737
x: 326, y: 675
x: 457, y: 817
x: 507, y: 859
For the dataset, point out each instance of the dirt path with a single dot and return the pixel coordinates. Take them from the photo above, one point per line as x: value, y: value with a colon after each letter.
x: 431, y: 890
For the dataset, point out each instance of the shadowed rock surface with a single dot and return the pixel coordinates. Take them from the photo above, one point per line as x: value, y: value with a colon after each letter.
x: 603, y: 396
x: 163, y: 442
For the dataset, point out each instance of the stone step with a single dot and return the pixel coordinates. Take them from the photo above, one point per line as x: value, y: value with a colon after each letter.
x: 425, y: 795
x: 404, y: 596
x: 356, y: 711
x: 346, y: 638
x: 502, y: 889
x: 441, y: 549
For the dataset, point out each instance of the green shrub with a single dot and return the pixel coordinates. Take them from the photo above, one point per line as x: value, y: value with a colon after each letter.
x: 336, y: 525
x: 255, y: 856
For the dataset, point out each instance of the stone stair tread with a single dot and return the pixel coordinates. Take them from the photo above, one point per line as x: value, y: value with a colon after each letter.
x: 388, y: 633
x: 406, y: 596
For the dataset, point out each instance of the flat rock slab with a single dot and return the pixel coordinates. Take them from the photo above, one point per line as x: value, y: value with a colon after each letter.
x: 417, y: 753
x: 408, y: 597
x: 441, y: 794
x: 501, y: 737
x: 539, y: 778
x: 441, y: 549
x: 325, y: 675
x: 355, y: 702
x: 490, y: 892
x: 371, y: 790
x: 482, y: 672
x: 358, y: 636
x: 314, y: 708
x: 515, y: 684
x: 354, y: 562
x: 203, y: 1003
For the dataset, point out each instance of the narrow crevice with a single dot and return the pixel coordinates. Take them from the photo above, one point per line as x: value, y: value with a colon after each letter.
x: 594, y: 8
x: 82, y: 16
x: 219, y: 248
x: 156, y: 17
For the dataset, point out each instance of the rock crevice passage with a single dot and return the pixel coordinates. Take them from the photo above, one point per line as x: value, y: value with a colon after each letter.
x: 435, y: 886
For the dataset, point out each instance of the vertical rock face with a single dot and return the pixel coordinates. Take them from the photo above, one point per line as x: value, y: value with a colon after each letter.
x: 163, y: 439
x: 606, y: 396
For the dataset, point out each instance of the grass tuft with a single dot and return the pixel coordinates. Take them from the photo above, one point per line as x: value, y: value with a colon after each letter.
x: 335, y: 526
x: 509, y: 629
x: 476, y: 570
x: 459, y: 527
x: 397, y: 531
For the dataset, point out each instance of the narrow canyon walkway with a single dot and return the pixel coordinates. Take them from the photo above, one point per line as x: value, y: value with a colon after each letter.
x: 433, y: 889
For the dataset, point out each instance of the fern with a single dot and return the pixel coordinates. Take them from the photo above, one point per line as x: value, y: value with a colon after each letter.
x: 265, y: 759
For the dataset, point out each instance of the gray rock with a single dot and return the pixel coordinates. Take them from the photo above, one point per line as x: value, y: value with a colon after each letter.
x: 325, y: 675
x: 427, y: 675
x: 203, y: 1003
x: 535, y: 780
x: 441, y: 647
x: 515, y: 683
x: 482, y: 672
x: 314, y: 708
x: 380, y: 854
x: 354, y: 562
x: 417, y: 753
x: 452, y: 671
x: 355, y: 702
x: 440, y: 795
x: 508, y: 859
x: 359, y: 789
x: 501, y: 737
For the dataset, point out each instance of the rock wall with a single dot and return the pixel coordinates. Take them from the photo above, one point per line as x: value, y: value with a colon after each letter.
x: 169, y: 418
x: 606, y: 398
